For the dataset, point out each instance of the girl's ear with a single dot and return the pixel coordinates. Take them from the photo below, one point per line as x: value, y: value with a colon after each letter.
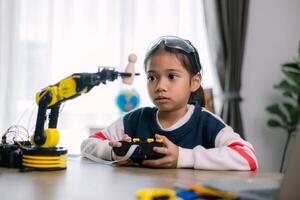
x: 195, y: 82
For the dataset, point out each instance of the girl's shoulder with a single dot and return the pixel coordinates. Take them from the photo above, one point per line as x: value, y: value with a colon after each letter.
x: 204, y: 113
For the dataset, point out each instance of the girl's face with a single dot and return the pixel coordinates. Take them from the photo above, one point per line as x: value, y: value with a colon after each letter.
x: 169, y: 83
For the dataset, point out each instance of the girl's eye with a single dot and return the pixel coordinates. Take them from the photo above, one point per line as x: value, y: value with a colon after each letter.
x: 150, y: 78
x: 172, y: 76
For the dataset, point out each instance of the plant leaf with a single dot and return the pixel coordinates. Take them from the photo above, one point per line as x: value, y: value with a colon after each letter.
x: 294, y: 76
x: 288, y: 94
x: 274, y: 123
x: 286, y: 86
x: 293, y: 66
x: 295, y: 115
x: 275, y: 109
x: 289, y: 107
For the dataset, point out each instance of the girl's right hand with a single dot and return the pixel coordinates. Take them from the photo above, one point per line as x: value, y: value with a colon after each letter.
x: 118, y: 144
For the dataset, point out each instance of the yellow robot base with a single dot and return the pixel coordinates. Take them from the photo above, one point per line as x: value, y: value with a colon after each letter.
x: 44, y: 159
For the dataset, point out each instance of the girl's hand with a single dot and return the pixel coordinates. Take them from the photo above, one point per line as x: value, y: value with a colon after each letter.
x: 118, y: 144
x: 171, y: 154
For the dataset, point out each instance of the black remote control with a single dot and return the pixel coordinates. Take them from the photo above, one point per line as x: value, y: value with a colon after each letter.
x: 144, y: 150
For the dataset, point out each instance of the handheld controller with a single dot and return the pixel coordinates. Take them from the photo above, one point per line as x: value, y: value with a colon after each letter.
x: 143, y: 151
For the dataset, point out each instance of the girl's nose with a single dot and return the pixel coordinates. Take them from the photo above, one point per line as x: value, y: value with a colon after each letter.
x: 161, y: 85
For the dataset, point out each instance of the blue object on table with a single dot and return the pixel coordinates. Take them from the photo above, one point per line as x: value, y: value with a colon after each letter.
x: 127, y: 100
x: 187, y: 195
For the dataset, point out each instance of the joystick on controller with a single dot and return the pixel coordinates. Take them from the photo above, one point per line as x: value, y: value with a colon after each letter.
x: 143, y: 150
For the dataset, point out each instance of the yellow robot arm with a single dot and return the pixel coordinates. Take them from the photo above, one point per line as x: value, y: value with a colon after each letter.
x: 52, y: 96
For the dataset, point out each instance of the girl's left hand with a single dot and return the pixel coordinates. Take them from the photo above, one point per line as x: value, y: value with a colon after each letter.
x: 171, y: 154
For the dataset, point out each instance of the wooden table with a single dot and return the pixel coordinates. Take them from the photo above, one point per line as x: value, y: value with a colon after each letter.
x: 84, y: 179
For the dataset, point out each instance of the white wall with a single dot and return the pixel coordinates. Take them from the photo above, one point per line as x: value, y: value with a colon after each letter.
x: 272, y: 39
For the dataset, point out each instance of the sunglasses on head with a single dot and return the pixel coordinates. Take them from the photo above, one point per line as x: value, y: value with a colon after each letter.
x: 174, y: 42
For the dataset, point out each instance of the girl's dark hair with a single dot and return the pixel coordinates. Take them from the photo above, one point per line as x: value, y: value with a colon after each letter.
x: 188, y: 62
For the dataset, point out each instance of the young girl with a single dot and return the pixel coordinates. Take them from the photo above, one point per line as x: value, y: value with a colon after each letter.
x: 193, y: 137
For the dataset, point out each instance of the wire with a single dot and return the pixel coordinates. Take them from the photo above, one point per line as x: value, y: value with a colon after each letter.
x: 61, y: 109
x: 15, y: 134
x: 23, y: 114
x: 30, y: 119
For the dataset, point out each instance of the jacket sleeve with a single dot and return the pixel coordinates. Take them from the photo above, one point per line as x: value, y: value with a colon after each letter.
x: 97, y: 144
x: 231, y: 152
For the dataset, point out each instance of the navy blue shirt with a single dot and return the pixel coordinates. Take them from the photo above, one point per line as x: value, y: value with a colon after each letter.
x: 201, y: 129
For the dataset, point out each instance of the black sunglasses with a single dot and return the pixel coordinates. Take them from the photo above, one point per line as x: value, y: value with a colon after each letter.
x: 175, y: 42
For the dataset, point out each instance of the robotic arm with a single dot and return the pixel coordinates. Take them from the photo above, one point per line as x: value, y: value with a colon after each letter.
x: 71, y: 87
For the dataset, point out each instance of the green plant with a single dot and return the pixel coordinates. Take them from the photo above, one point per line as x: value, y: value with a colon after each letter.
x: 288, y: 112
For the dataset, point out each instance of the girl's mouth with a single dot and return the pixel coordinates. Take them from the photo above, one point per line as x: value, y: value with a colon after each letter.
x: 162, y: 99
